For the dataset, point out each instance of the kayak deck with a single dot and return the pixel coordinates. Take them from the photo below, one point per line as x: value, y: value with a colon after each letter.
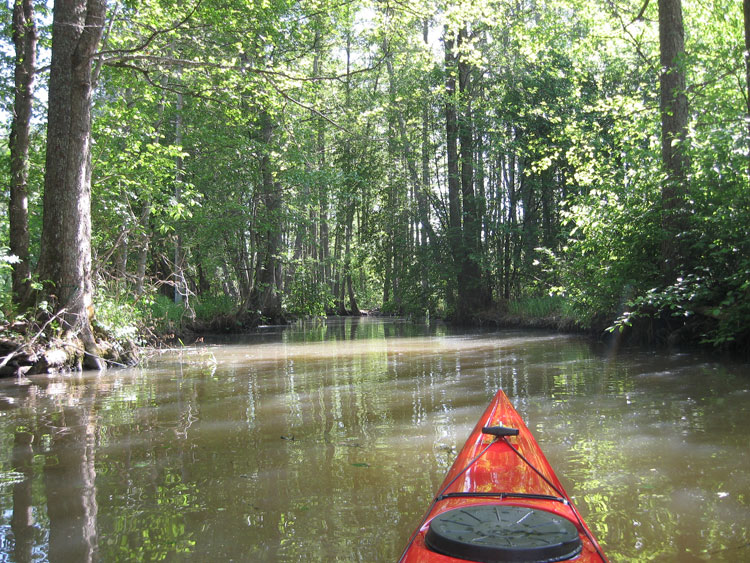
x: 510, y: 475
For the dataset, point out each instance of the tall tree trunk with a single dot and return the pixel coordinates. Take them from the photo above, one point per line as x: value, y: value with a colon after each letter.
x: 746, y: 10
x: 227, y: 285
x: 338, y: 304
x: 423, y: 203
x: 451, y: 134
x: 25, y: 40
x: 143, y: 245
x: 674, y: 119
x: 65, y: 256
x: 345, y: 280
x: 180, y: 287
x: 353, y: 308
x: 266, y: 297
x: 324, y: 251
x: 510, y: 226
x: 470, y: 280
x: 419, y: 185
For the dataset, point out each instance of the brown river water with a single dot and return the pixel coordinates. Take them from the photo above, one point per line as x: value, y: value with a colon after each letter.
x: 325, y: 442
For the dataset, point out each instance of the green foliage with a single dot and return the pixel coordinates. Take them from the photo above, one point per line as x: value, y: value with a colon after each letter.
x: 563, y: 104
x: 124, y: 318
x: 6, y: 267
x: 549, y: 306
x: 117, y: 314
x: 210, y: 307
x: 162, y: 314
x: 307, y: 297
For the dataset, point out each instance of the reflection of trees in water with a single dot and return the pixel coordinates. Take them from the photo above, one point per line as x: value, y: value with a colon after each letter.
x: 190, y: 463
x: 22, y: 521
x: 70, y: 482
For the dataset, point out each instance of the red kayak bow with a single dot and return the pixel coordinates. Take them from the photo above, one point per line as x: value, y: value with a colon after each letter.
x: 501, y: 501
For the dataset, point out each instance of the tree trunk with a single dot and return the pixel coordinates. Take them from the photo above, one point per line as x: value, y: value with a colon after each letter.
x: 180, y: 287
x: 324, y: 252
x: 143, y: 246
x: 674, y: 119
x: 423, y: 203
x: 510, y: 226
x: 227, y: 285
x: 121, y: 253
x: 451, y: 134
x: 266, y: 297
x: 65, y: 256
x: 746, y: 9
x: 470, y: 288
x: 24, y: 39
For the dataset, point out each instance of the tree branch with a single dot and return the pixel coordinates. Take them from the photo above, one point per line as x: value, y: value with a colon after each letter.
x: 145, y: 43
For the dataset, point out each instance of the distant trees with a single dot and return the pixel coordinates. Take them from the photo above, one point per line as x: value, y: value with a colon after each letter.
x: 277, y: 158
x: 464, y: 232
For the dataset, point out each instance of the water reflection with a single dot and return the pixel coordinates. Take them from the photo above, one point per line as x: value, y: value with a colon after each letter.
x: 70, y: 485
x: 325, y: 442
x: 22, y: 518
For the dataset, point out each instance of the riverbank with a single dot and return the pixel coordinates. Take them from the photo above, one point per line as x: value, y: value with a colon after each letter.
x: 28, y: 348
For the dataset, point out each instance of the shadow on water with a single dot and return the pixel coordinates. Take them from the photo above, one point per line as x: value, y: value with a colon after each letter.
x: 325, y: 441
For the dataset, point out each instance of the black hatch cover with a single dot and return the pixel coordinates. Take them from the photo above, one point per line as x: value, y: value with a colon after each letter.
x: 494, y: 532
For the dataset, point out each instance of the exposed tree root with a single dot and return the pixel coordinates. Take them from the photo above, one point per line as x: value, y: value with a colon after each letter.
x: 33, y: 349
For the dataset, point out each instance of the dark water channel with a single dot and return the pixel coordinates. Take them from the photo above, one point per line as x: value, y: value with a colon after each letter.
x: 325, y: 443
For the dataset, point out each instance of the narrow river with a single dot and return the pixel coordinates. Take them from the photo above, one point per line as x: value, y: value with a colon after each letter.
x: 325, y: 442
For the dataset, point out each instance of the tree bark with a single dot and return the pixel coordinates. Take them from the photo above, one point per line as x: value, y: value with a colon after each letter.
x: 324, y: 252
x: 143, y: 247
x: 65, y: 256
x: 510, y: 226
x: 451, y: 134
x: 746, y: 10
x: 674, y: 119
x: 354, y: 309
x: 25, y: 40
x: 266, y: 297
x: 463, y: 223
x: 422, y: 202
x: 180, y: 287
x: 470, y: 278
